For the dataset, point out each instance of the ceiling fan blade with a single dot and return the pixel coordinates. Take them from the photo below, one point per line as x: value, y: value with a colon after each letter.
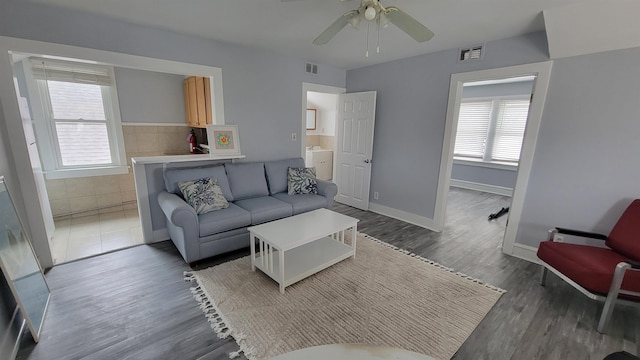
x: 408, y: 24
x: 335, y: 28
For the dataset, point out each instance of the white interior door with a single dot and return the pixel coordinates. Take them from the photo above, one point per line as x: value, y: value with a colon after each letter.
x: 354, y: 147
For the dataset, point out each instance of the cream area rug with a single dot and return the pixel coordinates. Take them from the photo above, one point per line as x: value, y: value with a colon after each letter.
x: 385, y: 296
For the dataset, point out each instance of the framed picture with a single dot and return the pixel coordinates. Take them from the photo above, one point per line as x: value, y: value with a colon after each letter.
x: 311, y: 119
x: 223, y: 139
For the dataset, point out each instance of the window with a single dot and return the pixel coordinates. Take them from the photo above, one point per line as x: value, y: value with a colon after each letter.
x: 491, y: 130
x: 78, y: 123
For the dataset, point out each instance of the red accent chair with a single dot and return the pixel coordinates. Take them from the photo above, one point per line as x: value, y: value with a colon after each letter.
x: 610, y: 275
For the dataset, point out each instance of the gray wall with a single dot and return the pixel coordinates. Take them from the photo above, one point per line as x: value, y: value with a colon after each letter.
x: 586, y: 168
x: 149, y: 96
x: 515, y: 88
x: 411, y: 114
x: 262, y: 89
x: 484, y: 175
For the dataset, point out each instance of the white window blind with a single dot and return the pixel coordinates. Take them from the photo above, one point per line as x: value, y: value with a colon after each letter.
x: 473, y: 127
x: 510, y: 125
x: 492, y: 129
x: 78, y: 125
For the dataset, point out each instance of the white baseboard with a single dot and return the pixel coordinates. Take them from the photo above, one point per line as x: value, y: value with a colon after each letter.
x: 500, y: 190
x: 525, y: 252
x: 160, y: 235
x: 404, y: 216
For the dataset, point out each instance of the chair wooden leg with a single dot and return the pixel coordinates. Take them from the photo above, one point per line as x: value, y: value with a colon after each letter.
x: 612, y: 296
x: 543, y: 276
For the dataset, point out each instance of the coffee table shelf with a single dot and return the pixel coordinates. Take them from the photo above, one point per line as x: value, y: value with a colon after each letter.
x: 307, y: 259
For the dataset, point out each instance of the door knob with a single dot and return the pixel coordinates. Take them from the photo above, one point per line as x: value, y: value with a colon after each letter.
x: 367, y: 161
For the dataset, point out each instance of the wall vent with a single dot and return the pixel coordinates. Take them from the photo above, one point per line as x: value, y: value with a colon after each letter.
x: 311, y: 68
x: 471, y: 53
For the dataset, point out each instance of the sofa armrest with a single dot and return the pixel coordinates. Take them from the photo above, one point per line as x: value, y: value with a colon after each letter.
x: 328, y: 190
x: 178, y: 211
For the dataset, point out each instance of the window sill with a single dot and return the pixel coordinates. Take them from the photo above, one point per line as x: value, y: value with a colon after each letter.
x: 480, y: 163
x: 85, y: 172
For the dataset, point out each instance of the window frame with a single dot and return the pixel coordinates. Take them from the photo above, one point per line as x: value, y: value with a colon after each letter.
x: 487, y: 159
x: 46, y: 134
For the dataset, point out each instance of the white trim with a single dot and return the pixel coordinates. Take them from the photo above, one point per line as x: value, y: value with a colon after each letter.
x: 142, y: 196
x: 153, y: 124
x: 407, y: 217
x: 492, y: 189
x: 84, y: 172
x: 303, y: 114
x: 480, y: 163
x: 182, y: 158
x: 542, y: 71
x: 525, y: 252
x: 160, y: 235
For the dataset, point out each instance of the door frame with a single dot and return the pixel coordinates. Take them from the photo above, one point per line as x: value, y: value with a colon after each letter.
x: 19, y: 146
x: 303, y: 112
x: 542, y: 71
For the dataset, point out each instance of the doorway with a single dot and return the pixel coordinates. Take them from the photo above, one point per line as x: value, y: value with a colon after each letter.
x: 541, y: 72
x: 321, y: 133
x: 318, y: 145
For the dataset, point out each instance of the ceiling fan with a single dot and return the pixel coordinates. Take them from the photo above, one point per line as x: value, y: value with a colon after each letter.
x: 373, y: 10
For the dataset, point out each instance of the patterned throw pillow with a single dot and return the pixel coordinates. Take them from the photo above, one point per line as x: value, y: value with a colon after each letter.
x: 302, y: 181
x: 204, y: 195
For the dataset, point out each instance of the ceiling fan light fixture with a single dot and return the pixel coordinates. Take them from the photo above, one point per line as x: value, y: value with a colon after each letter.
x: 354, y: 21
x: 370, y: 13
x: 384, y: 20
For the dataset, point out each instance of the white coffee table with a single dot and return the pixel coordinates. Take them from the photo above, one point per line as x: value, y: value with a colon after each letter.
x: 296, y: 247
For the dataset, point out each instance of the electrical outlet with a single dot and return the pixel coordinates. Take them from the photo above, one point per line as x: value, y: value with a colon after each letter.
x: 294, y: 136
x: 558, y: 238
x: 376, y: 195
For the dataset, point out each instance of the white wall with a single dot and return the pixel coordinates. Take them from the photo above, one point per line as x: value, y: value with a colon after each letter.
x: 326, y: 105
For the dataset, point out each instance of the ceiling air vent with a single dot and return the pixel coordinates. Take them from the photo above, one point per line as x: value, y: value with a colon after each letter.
x: 310, y: 68
x: 471, y: 53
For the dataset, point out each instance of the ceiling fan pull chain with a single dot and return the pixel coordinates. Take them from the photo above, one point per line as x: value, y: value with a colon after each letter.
x: 366, y: 54
x: 378, y: 44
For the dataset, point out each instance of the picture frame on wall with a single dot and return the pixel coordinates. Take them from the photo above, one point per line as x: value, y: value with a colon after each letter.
x: 223, y: 139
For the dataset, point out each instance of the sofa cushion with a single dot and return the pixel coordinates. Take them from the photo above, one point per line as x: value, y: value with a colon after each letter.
x: 204, y: 195
x: 302, y: 181
x: 223, y: 220
x: 578, y: 263
x: 277, y: 173
x: 303, y: 202
x: 265, y: 208
x: 173, y: 176
x: 247, y: 180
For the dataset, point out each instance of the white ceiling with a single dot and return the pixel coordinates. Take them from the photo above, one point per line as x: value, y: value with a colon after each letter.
x: 290, y: 27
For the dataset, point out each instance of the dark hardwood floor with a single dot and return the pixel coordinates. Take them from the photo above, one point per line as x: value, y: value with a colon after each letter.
x: 134, y: 304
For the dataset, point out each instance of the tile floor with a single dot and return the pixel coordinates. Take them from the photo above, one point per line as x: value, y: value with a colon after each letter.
x: 91, y: 235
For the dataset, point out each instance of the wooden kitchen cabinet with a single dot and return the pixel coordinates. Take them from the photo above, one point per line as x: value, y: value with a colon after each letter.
x: 197, y: 101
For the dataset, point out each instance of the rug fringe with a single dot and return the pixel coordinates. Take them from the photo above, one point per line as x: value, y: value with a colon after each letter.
x: 433, y: 263
x: 216, y: 319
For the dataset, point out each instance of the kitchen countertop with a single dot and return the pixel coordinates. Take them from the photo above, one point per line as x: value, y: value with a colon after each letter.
x: 182, y: 158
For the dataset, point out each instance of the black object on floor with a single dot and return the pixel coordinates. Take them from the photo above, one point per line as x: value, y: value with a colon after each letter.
x: 499, y: 213
x: 621, y: 355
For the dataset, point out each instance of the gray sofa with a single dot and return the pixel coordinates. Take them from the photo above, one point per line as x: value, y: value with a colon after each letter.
x: 257, y: 193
